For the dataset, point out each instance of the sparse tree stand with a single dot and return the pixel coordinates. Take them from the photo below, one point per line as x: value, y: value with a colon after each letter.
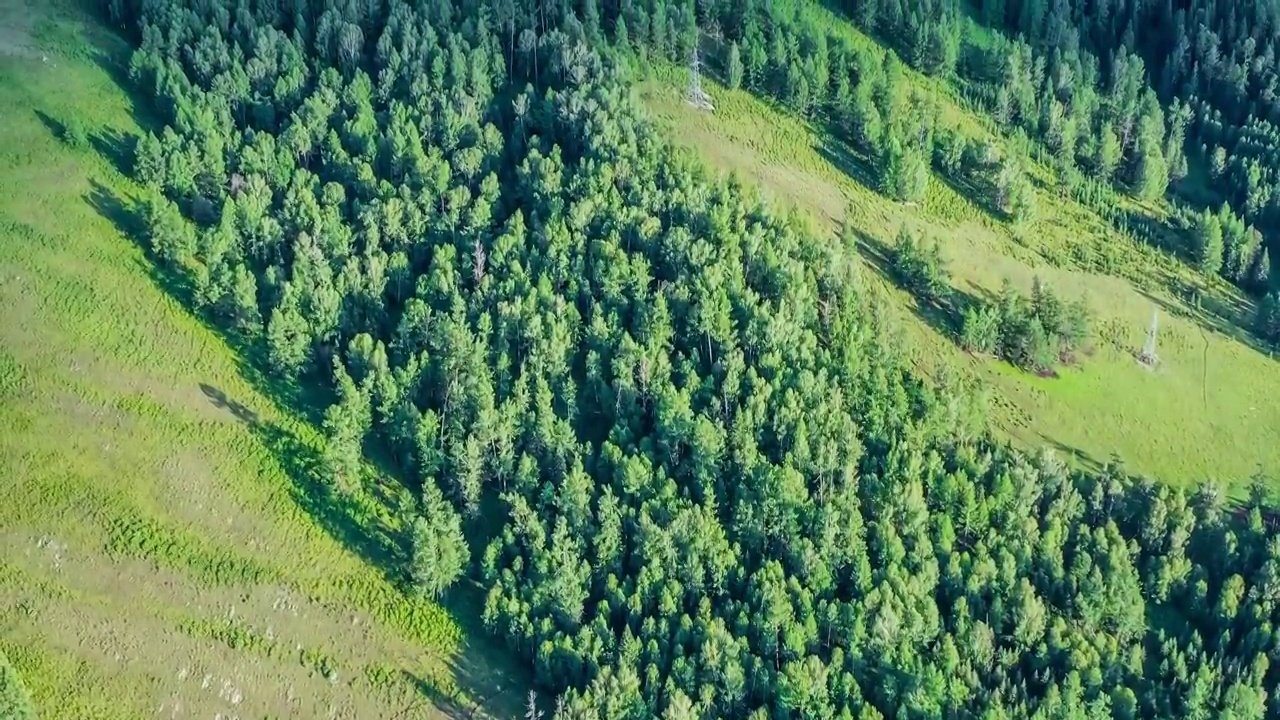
x: 1149, y: 356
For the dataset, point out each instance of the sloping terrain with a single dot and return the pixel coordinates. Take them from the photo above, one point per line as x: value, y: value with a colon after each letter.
x: 1198, y: 416
x: 164, y: 550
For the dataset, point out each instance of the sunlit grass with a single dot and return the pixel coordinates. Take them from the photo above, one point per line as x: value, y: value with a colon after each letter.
x: 1200, y: 415
x: 140, y: 505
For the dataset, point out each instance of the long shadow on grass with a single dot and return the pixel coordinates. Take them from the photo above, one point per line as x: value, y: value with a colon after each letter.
x: 1212, y: 313
x: 945, y: 315
x: 481, y: 670
x: 1082, y: 458
x: 1146, y: 229
x: 336, y: 514
x: 843, y: 158
x: 116, y: 147
x: 357, y: 526
x: 979, y: 190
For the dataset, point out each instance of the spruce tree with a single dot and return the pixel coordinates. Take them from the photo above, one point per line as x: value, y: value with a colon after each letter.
x: 1207, y: 242
x: 438, y: 548
x: 734, y: 71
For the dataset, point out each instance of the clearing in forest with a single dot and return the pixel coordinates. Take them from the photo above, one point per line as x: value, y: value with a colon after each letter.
x: 1201, y: 415
x: 163, y: 548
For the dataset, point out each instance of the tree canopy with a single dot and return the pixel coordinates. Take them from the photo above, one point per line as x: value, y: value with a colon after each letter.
x: 704, y: 482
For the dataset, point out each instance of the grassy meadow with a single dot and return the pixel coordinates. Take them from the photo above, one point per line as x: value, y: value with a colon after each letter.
x: 1202, y: 414
x: 165, y: 549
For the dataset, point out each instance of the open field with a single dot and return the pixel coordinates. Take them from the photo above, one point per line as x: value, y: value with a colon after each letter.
x: 1202, y: 414
x: 165, y: 550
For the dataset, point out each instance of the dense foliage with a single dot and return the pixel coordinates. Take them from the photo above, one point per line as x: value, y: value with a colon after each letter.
x: 1109, y: 105
x: 1137, y: 92
x: 918, y: 266
x: 15, y: 703
x: 711, y: 489
x: 1035, y: 333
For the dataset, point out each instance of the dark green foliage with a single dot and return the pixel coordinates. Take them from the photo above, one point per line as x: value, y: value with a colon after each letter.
x: 711, y: 486
x: 74, y: 134
x: 15, y: 703
x: 733, y: 73
x: 918, y: 265
x: 438, y: 549
x: 1267, y: 321
x: 1035, y: 333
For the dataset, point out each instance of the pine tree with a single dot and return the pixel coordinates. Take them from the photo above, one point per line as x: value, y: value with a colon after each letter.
x: 346, y: 423
x: 148, y: 162
x: 906, y: 171
x: 591, y: 20
x: 1207, y: 240
x: 288, y: 335
x: 1267, y: 322
x: 1151, y: 176
x: 1107, y: 154
x: 981, y: 330
x: 621, y: 38
x: 734, y: 71
x: 1260, y: 277
x: 438, y: 548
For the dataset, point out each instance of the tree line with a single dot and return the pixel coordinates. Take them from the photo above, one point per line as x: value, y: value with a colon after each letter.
x: 711, y: 486
x: 1109, y: 105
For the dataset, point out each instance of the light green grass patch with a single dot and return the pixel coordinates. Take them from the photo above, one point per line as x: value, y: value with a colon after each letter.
x: 1202, y: 414
x: 160, y: 520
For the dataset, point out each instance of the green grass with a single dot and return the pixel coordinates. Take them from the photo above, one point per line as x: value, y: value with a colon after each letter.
x: 164, y: 544
x: 1203, y: 414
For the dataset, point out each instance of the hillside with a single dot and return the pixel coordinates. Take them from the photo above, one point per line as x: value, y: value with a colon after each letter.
x: 1198, y: 416
x: 164, y: 547
x: 685, y: 452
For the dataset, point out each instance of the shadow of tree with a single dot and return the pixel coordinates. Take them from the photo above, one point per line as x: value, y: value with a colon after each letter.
x: 357, y: 526
x: 440, y: 702
x: 978, y: 189
x: 1212, y: 313
x: 1147, y: 229
x: 945, y: 315
x: 116, y: 147
x: 844, y: 158
x: 55, y: 127
x: 1081, y: 458
x: 220, y: 400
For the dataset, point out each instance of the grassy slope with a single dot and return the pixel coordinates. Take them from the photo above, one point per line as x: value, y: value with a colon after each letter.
x: 161, y: 548
x: 1202, y: 414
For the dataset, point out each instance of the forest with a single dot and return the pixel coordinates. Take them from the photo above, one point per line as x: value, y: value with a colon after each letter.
x: 661, y: 423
